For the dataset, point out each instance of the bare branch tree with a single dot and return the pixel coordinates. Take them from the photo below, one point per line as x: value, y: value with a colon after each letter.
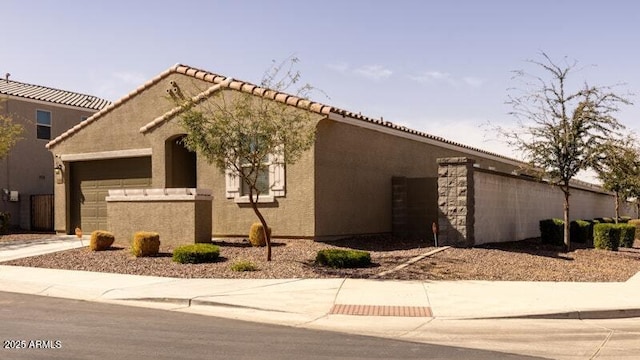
x: 560, y: 129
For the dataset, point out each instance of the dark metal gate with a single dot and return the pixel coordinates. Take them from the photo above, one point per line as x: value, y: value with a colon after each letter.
x: 42, y: 212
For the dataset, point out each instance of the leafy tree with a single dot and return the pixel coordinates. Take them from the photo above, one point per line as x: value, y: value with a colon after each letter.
x: 618, y: 168
x: 10, y: 134
x: 243, y: 132
x: 561, y: 130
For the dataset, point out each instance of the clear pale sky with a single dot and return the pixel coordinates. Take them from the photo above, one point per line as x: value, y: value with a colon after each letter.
x: 443, y: 67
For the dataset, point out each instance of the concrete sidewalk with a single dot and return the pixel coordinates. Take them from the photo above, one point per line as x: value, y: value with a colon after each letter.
x: 300, y: 301
x: 410, y: 310
x: 11, y: 250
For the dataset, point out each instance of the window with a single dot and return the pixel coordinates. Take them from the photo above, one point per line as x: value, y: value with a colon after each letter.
x: 43, y: 124
x: 271, y: 183
x: 262, y: 182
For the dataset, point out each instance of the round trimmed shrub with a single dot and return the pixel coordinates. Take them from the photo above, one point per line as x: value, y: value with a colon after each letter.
x: 256, y: 235
x: 338, y: 258
x: 196, y: 253
x: 145, y: 243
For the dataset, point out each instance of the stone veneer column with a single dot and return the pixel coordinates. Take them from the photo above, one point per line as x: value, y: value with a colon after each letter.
x: 455, y: 201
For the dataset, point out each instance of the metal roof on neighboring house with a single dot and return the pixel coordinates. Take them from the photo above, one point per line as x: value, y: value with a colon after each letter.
x: 55, y: 96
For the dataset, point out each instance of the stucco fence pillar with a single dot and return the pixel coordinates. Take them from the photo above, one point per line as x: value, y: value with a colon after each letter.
x: 180, y: 215
x: 456, y: 201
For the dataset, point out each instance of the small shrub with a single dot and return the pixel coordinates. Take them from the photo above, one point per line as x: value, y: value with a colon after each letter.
x: 145, y: 243
x: 581, y: 231
x: 338, y: 258
x: 244, y: 265
x: 605, y: 220
x: 5, y: 221
x: 256, y: 235
x: 636, y: 223
x: 552, y: 231
x: 196, y: 253
x: 101, y: 240
x: 606, y: 236
x: 627, y: 235
x: 624, y: 219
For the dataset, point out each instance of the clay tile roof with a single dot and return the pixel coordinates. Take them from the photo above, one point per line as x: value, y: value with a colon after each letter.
x: 54, y: 96
x: 270, y: 94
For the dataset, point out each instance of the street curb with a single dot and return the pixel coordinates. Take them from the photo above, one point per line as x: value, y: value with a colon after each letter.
x: 193, y: 302
x: 575, y: 315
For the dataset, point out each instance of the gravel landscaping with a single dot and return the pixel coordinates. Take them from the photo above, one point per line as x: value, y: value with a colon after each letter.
x: 516, y: 261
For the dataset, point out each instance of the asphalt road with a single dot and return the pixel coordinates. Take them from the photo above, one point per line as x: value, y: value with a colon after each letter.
x: 35, y: 327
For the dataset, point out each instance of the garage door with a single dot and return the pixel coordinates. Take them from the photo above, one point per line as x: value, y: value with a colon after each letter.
x: 94, y: 179
x: 93, y: 210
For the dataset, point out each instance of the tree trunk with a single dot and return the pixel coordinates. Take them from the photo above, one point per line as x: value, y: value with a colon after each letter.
x: 567, y: 238
x: 616, y: 197
x: 265, y: 232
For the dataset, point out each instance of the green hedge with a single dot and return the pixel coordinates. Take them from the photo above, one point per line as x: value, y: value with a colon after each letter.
x: 337, y: 258
x: 624, y: 219
x: 196, y: 253
x: 628, y: 235
x: 636, y: 223
x: 612, y: 236
x: 552, y: 231
x: 581, y: 231
x: 604, y: 220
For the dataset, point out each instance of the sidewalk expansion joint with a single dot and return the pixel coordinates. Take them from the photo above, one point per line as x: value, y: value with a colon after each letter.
x: 412, y: 261
x: 381, y: 310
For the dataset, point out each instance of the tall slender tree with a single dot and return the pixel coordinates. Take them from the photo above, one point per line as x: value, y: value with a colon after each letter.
x: 618, y: 168
x: 561, y: 129
x: 244, y: 133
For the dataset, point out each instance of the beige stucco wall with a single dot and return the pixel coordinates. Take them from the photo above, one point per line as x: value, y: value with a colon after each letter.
x: 291, y: 215
x: 354, y: 167
x: 179, y: 222
x: 509, y: 208
x: 28, y: 168
x: 119, y: 130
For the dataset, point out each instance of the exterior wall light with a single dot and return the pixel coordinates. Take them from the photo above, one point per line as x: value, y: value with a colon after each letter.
x: 58, y: 169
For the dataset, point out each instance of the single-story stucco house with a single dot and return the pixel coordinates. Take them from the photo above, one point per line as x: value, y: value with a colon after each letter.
x: 341, y: 187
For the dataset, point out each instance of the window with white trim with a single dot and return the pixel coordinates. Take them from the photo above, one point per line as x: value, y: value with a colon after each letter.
x: 43, y: 124
x: 271, y: 182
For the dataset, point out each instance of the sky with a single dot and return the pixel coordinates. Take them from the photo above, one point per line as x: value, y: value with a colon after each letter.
x: 442, y: 67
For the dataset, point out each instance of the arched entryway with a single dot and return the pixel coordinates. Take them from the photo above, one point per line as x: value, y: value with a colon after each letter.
x: 180, y: 164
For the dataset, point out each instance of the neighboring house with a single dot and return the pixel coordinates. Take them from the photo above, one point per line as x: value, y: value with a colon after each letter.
x: 342, y: 186
x: 28, y: 171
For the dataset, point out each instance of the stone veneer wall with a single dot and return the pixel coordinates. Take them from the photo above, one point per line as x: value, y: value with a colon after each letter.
x: 456, y: 201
